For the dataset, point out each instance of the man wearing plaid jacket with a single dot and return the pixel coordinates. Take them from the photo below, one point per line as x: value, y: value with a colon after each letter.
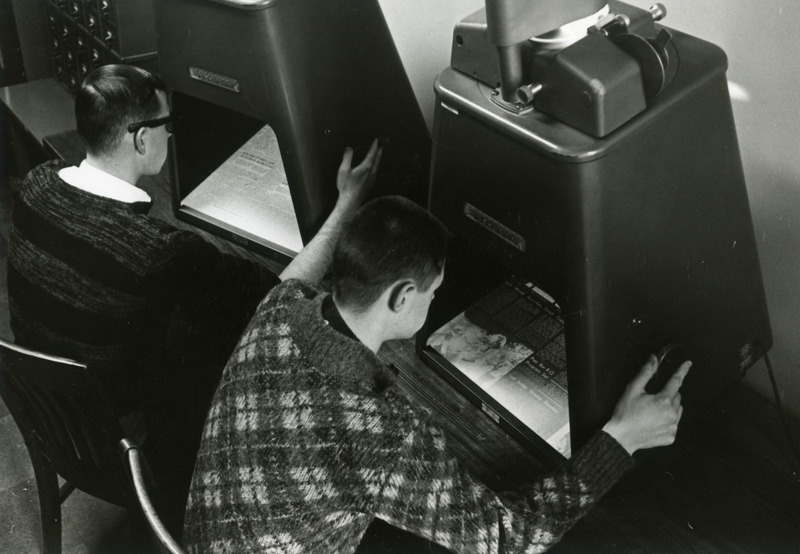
x: 309, y: 440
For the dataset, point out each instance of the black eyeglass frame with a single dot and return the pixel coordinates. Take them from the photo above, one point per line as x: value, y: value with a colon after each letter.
x: 168, y: 121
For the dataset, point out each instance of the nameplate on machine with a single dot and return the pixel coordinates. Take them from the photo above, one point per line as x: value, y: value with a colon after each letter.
x: 494, y: 226
x: 228, y: 83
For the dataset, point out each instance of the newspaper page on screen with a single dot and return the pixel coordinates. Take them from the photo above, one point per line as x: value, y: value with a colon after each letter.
x: 249, y: 193
x: 511, y: 344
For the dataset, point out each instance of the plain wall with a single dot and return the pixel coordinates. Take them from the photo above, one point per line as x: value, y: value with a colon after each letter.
x: 764, y: 72
x: 422, y: 31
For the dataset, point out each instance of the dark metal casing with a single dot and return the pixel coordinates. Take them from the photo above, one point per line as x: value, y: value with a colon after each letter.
x: 323, y: 74
x: 644, y: 237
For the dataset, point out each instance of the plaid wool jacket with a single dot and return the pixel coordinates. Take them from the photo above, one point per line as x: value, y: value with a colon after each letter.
x: 308, y: 439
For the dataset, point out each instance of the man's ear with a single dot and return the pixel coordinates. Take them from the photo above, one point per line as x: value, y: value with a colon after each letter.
x: 399, y: 295
x: 138, y: 140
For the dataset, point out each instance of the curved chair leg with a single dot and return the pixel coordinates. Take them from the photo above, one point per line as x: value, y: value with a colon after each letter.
x: 49, y: 503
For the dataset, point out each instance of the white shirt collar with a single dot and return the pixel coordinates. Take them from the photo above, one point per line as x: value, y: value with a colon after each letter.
x: 96, y: 181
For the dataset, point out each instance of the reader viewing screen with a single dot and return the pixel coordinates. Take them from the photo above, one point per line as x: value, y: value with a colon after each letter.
x: 231, y: 175
x: 510, y: 344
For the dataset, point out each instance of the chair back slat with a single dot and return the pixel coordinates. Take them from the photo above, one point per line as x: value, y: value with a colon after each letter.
x: 59, y: 406
x: 52, y: 425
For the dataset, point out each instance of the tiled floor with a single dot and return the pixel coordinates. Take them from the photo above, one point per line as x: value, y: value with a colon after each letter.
x: 88, y: 524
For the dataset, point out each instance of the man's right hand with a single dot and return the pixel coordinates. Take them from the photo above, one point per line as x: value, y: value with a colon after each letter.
x: 643, y: 420
x: 355, y: 183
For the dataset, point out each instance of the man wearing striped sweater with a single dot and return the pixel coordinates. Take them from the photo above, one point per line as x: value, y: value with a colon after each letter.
x: 308, y: 440
x: 91, y: 276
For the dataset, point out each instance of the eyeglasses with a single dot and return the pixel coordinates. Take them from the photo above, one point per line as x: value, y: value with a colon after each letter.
x: 168, y: 121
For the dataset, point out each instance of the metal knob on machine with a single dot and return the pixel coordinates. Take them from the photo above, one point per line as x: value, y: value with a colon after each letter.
x: 652, y: 58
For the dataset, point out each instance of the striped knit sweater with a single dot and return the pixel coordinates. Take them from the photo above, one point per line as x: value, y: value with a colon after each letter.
x: 98, y: 280
x: 308, y: 439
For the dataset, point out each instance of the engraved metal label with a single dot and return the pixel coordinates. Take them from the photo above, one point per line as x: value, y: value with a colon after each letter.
x: 495, y: 227
x: 215, y: 79
x: 747, y: 356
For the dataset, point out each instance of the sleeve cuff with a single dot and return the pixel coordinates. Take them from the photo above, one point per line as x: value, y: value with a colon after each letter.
x: 601, y: 462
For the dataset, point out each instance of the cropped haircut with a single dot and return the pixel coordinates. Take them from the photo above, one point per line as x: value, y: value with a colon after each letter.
x: 388, y: 240
x: 110, y: 98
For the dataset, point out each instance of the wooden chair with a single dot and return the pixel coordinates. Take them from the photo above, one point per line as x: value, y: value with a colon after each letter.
x: 146, y: 494
x: 69, y: 430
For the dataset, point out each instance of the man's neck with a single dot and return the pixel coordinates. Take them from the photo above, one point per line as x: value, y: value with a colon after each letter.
x: 366, y: 326
x: 113, y: 166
